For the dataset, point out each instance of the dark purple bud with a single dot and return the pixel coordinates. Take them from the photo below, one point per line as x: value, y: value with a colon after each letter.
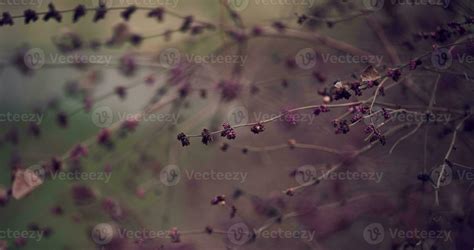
x: 79, y: 12
x: 157, y: 13
x: 30, y: 16
x: 257, y: 128
x: 6, y: 19
x: 206, y: 136
x: 100, y: 12
x: 187, y: 22
x: 62, y: 119
x: 228, y: 132
x: 52, y: 13
x: 128, y: 12
x: 183, y: 139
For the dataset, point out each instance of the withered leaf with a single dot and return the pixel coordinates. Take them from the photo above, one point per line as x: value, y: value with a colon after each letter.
x: 370, y: 74
x: 25, y: 182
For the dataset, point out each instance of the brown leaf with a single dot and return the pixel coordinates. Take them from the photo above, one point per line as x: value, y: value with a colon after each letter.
x: 25, y: 182
x: 370, y: 74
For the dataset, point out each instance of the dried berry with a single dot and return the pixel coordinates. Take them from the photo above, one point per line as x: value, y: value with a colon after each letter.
x: 206, y: 136
x: 52, y: 13
x: 257, y: 128
x: 183, y: 139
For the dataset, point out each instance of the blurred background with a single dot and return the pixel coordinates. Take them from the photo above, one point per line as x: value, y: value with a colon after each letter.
x: 140, y: 179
